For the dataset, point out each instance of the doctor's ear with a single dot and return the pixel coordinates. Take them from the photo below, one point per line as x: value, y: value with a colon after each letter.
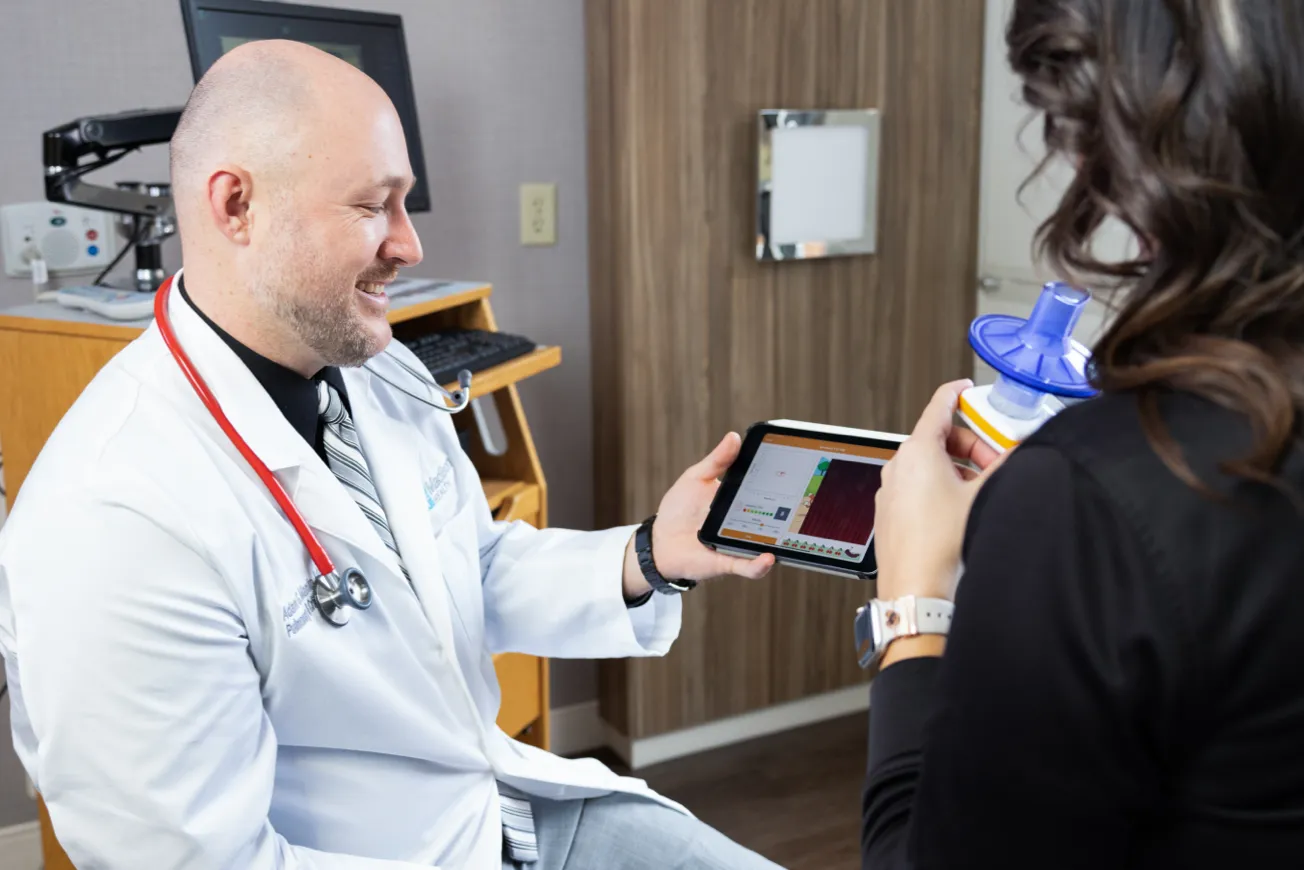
x: 229, y: 191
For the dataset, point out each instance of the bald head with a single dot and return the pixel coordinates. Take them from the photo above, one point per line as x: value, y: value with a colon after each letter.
x: 289, y: 175
x: 259, y: 106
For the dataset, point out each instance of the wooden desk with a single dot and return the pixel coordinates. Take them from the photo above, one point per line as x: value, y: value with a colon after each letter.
x: 48, y: 354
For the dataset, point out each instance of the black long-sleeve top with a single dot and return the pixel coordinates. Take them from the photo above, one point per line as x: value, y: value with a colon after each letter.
x: 1123, y: 686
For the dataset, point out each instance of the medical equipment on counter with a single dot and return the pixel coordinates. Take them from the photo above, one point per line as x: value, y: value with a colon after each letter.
x: 107, y: 302
x: 145, y: 208
x: 66, y: 239
x: 147, y: 235
x: 334, y: 592
x: 109, y: 138
x: 1040, y: 367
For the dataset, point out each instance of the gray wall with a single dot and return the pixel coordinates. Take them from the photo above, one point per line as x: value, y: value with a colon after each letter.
x: 500, y: 92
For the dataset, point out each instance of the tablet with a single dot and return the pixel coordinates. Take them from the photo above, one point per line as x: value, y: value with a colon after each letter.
x: 804, y: 492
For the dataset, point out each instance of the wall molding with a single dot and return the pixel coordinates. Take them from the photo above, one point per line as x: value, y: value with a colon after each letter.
x: 20, y: 847
x: 647, y: 751
x: 579, y: 728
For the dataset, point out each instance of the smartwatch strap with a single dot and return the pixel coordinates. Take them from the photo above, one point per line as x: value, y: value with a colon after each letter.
x: 647, y: 563
x: 908, y: 616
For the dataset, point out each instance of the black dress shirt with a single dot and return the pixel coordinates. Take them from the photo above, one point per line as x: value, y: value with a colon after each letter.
x: 1123, y: 686
x: 295, y: 395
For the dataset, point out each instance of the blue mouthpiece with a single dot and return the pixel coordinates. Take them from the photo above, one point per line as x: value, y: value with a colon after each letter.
x: 1038, y: 355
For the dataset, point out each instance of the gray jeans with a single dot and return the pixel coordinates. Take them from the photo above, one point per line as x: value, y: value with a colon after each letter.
x: 623, y: 832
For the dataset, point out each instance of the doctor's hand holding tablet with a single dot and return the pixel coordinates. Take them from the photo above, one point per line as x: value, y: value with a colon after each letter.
x: 677, y: 550
x: 844, y: 501
x: 863, y: 504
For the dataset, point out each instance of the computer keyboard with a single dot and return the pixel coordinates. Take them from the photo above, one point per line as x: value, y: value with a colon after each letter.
x: 447, y: 353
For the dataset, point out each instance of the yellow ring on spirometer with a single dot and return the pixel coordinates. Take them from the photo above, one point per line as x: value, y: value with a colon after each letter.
x: 971, y: 414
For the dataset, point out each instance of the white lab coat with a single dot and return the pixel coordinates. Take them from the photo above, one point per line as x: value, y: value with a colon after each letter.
x: 180, y: 704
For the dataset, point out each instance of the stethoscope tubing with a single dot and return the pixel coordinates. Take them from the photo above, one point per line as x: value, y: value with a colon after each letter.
x: 320, y: 558
x: 334, y: 593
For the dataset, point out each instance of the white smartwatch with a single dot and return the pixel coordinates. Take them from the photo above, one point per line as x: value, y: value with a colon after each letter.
x: 880, y: 622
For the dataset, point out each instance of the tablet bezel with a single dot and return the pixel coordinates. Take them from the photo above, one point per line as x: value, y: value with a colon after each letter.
x: 709, y: 534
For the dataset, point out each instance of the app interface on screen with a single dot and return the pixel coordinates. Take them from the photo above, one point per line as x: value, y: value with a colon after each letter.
x: 808, y: 495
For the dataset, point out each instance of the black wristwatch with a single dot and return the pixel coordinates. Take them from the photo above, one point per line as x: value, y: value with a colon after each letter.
x: 647, y: 564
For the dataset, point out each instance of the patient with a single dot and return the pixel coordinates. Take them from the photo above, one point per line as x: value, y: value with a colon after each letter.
x: 1122, y: 684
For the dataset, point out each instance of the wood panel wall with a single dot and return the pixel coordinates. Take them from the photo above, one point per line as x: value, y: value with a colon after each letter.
x: 692, y: 337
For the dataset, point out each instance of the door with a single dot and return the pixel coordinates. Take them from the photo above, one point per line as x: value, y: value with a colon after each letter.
x: 1009, y: 278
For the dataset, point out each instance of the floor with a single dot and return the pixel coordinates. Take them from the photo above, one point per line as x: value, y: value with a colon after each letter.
x: 793, y: 797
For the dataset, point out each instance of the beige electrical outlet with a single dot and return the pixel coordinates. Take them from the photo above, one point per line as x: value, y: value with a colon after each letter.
x: 538, y: 214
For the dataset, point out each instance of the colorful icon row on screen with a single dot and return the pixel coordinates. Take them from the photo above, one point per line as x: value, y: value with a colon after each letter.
x: 818, y: 549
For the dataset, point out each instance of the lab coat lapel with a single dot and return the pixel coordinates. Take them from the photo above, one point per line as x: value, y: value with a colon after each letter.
x: 391, y: 445
x: 242, y: 399
x: 324, y: 502
x: 329, y: 509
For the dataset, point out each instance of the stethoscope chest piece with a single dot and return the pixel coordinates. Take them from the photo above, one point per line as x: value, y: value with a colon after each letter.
x: 338, y: 594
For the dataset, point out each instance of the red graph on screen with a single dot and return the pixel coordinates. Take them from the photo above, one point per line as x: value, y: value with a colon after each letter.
x: 843, y: 507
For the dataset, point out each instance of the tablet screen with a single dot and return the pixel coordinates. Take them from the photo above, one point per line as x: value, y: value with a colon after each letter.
x: 808, y: 495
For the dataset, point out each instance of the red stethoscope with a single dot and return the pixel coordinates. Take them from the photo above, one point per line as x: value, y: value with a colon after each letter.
x: 336, y: 593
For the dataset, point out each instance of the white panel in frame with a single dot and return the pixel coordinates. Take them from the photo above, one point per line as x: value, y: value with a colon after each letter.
x: 817, y: 183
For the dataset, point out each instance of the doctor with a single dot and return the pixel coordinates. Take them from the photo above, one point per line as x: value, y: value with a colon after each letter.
x: 179, y: 698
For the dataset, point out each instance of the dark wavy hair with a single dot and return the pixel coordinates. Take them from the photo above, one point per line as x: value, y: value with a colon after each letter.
x: 1185, y: 121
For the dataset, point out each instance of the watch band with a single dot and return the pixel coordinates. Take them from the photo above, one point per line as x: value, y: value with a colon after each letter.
x: 647, y: 563
x: 880, y: 622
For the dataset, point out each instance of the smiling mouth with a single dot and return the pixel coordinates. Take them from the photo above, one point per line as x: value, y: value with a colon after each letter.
x: 371, y: 288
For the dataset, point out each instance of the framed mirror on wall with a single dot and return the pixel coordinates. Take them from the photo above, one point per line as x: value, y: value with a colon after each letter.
x: 817, y: 183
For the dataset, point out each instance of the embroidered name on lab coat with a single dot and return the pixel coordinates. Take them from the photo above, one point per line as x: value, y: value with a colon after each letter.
x: 437, y: 487
x: 299, y: 610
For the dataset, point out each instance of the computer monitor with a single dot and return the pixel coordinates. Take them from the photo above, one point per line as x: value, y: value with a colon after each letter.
x: 371, y: 41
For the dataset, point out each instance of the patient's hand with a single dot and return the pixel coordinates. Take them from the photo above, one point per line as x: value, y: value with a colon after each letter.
x: 923, y: 505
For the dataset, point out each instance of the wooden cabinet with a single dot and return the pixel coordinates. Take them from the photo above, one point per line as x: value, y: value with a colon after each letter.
x: 49, y: 354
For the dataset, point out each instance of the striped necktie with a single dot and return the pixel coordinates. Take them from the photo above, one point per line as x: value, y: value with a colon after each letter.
x: 519, y: 840
x: 344, y: 458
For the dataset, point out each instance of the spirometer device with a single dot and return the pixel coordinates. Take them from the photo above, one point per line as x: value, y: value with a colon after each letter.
x: 1040, y: 367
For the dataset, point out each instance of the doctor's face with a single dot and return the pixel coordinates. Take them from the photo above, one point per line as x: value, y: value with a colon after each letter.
x: 339, y: 232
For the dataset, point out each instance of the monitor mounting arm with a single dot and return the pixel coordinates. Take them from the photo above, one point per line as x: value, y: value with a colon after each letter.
x: 107, y: 137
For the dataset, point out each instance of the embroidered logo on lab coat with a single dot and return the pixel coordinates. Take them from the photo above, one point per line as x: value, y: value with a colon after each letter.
x: 437, y: 486
x: 299, y: 609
